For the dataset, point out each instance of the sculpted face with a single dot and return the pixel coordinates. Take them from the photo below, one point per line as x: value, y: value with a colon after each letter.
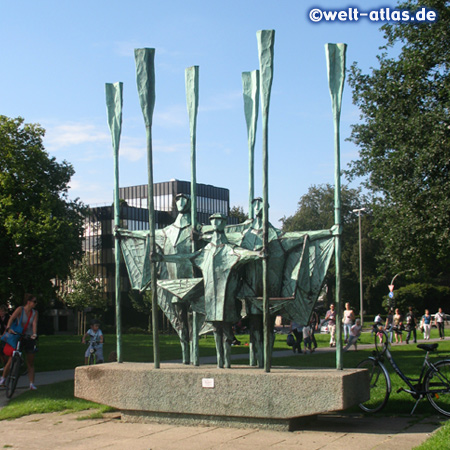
x: 183, y: 204
x: 257, y: 208
x: 218, y: 224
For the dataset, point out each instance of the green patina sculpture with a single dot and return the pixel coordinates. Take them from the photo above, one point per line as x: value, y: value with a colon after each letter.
x: 335, y: 54
x: 296, y: 269
x: 171, y: 240
x: 220, y: 263
x: 114, y: 103
x: 253, y: 263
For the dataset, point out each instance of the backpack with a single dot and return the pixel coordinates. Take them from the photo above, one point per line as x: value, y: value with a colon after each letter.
x: 290, y: 340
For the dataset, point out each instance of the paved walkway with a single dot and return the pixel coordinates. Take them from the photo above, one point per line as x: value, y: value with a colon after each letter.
x: 330, y: 432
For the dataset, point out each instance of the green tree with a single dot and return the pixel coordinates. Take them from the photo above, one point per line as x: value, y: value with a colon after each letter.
x: 82, y: 289
x: 40, y: 228
x: 404, y: 143
x: 238, y: 213
x: 315, y: 212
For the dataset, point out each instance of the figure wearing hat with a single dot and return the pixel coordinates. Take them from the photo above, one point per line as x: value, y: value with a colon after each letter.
x: 171, y: 240
x: 220, y: 263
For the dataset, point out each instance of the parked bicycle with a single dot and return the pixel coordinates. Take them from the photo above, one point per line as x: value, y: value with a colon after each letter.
x: 17, y: 369
x: 432, y: 383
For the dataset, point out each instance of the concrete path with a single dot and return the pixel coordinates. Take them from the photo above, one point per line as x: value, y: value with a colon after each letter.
x: 330, y: 432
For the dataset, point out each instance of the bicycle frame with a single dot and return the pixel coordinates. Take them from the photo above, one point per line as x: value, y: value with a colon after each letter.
x: 93, y: 351
x: 415, y: 385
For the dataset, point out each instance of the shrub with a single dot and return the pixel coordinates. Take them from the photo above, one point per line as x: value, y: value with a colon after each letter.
x: 136, y: 330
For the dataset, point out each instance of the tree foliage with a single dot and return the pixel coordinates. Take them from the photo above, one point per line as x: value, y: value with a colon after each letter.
x: 82, y: 289
x: 420, y: 296
x: 315, y: 212
x: 238, y: 213
x: 404, y: 141
x: 40, y: 229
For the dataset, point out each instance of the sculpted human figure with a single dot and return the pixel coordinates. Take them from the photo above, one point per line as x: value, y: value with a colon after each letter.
x: 250, y: 236
x: 171, y: 240
x: 220, y: 263
x: 297, y: 264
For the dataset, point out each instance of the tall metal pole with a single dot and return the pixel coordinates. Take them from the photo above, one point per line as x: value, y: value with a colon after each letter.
x: 192, y: 80
x: 145, y: 79
x: 250, y: 88
x: 266, y: 40
x: 114, y: 102
x: 336, y: 75
x: 361, y: 310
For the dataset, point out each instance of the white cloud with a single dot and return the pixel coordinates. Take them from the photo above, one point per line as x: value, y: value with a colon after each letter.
x: 72, y: 133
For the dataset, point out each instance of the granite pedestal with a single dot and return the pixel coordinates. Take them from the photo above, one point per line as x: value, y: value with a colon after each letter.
x: 240, y: 396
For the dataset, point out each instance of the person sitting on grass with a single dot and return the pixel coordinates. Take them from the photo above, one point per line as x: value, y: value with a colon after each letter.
x: 95, y: 336
x: 355, y: 333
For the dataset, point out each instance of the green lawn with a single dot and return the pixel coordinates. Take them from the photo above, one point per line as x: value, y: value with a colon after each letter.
x: 65, y: 352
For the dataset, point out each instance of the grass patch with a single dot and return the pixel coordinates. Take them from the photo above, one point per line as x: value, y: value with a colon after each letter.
x: 51, y: 398
x: 67, y: 352
x: 439, y: 440
x: 408, y: 357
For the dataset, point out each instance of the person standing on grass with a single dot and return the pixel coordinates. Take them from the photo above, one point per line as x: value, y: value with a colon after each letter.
x: 398, y: 325
x: 426, y: 325
x: 389, y: 327
x: 347, y: 320
x: 411, y: 323
x: 439, y: 321
x: 331, y: 317
x: 27, y: 316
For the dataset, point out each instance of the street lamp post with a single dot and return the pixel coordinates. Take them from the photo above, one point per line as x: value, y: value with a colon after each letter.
x: 360, y: 266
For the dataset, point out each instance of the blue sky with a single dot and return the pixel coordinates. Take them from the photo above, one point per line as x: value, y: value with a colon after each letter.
x: 57, y: 56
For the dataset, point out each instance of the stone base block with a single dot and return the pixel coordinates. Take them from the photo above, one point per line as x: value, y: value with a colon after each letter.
x: 243, y: 397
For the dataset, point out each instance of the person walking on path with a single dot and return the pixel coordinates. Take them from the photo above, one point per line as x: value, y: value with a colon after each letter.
x: 426, y: 325
x: 297, y: 330
x: 331, y: 317
x: 314, y: 324
x: 307, y: 338
x: 439, y: 321
x: 347, y: 320
x: 411, y: 324
x: 355, y: 333
x: 26, y: 316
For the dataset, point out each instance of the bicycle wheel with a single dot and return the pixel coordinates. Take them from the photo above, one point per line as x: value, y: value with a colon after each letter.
x: 380, y: 385
x: 13, y: 377
x: 437, y: 386
x: 91, y: 360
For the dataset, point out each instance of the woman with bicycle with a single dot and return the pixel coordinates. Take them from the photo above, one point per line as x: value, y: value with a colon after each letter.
x: 25, y: 317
